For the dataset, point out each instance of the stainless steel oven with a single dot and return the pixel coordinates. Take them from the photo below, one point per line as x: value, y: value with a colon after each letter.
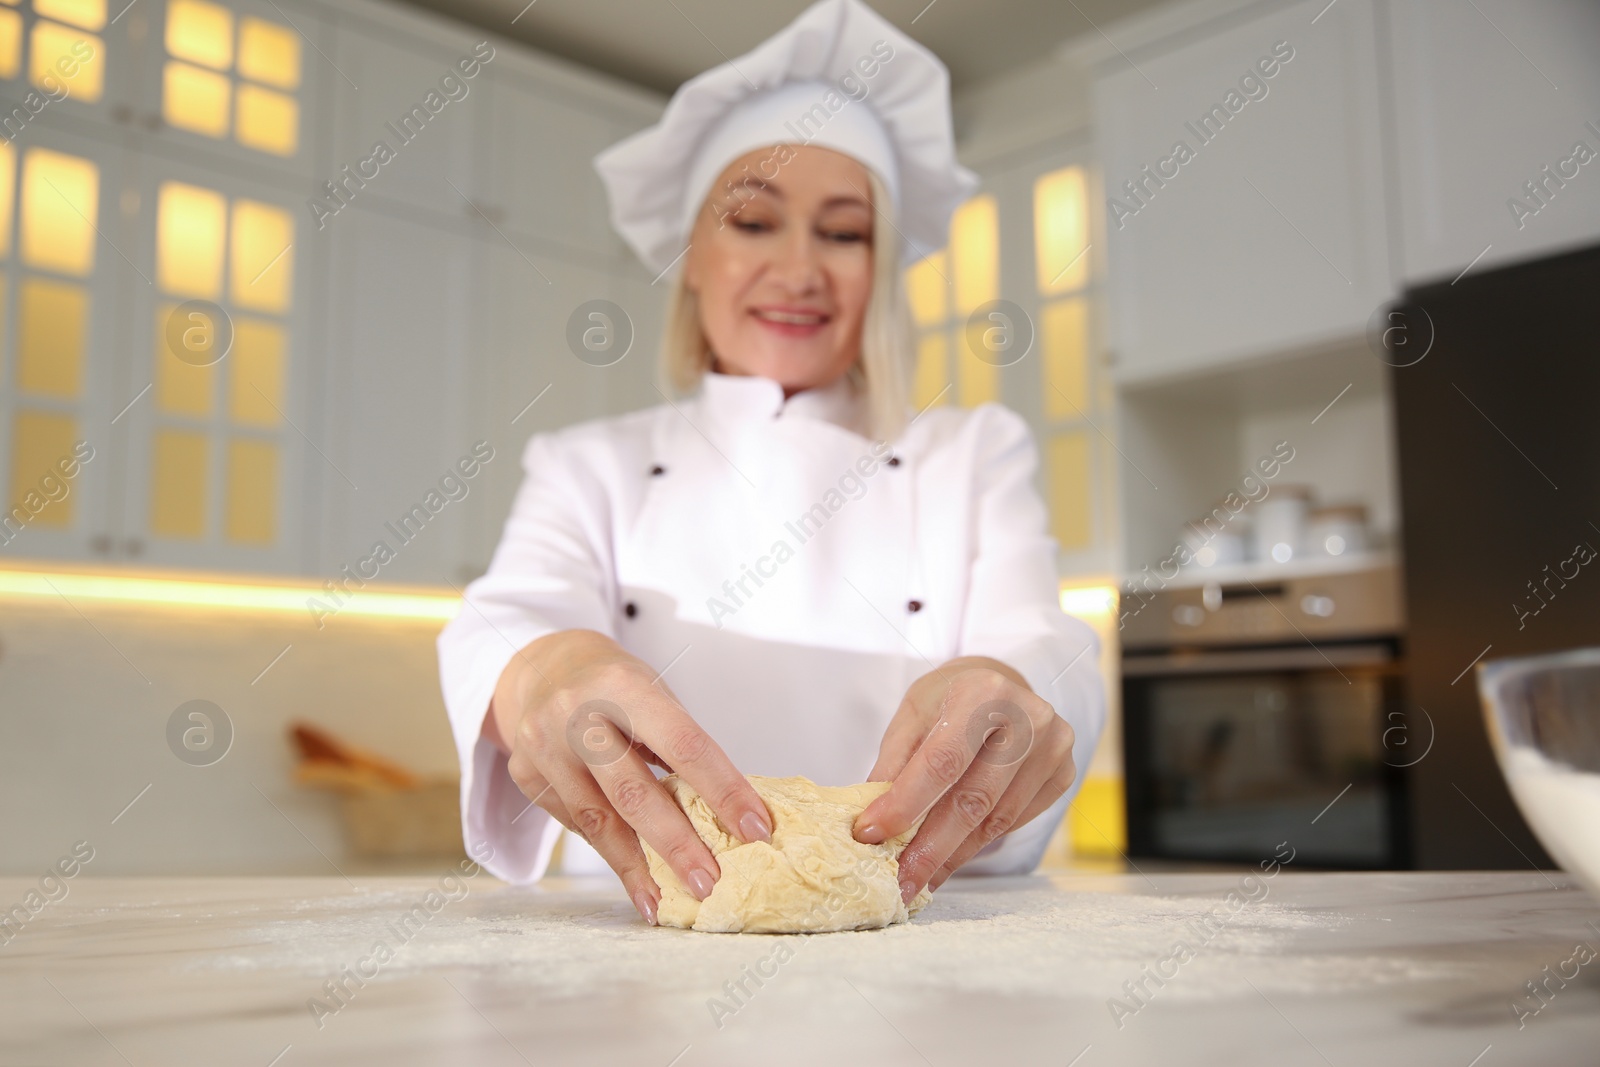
x: 1262, y: 711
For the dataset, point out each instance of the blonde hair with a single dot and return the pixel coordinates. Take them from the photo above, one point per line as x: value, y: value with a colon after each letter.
x: 883, y: 369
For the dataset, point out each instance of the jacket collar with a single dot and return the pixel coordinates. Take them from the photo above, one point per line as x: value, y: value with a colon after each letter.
x: 747, y: 397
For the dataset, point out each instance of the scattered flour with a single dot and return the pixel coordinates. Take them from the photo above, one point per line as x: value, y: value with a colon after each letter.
x: 1022, y: 936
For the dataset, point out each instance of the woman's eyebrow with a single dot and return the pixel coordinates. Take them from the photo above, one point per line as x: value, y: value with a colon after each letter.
x: 767, y: 185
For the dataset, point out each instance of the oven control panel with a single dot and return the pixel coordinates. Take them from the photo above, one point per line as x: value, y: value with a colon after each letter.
x: 1331, y: 606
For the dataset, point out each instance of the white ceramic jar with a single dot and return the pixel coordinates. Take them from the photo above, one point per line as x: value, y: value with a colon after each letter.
x: 1280, y: 525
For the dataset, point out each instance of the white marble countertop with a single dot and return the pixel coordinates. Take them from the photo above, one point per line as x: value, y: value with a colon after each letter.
x: 1305, y: 968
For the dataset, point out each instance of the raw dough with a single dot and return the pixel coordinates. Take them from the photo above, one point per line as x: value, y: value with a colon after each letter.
x: 813, y: 878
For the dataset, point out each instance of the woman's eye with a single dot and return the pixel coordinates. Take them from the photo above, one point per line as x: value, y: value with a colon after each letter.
x: 844, y: 236
x: 750, y: 225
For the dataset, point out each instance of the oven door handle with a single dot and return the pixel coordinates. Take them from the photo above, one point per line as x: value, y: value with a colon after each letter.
x: 1269, y: 659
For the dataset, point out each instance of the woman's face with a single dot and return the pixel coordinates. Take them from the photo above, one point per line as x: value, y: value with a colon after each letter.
x: 781, y: 259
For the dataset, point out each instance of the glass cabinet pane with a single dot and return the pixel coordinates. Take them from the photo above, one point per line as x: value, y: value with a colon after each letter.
x: 60, y: 202
x: 52, y: 321
x: 189, y: 236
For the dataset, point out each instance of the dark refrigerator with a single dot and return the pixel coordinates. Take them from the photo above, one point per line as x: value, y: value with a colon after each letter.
x: 1497, y: 409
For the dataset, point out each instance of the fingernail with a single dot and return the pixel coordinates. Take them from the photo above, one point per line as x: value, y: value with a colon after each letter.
x: 646, y: 906
x: 908, y: 889
x: 754, y: 828
x: 701, y: 882
x: 871, y: 834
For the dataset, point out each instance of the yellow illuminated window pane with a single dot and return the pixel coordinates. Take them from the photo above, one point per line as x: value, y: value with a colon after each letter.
x: 52, y: 320
x: 189, y: 231
x: 977, y: 380
x: 256, y: 391
x: 181, y: 388
x: 60, y: 197
x: 267, y: 121
x: 39, y: 441
x: 62, y: 58
x: 8, y: 179
x: 928, y: 290
x: 252, y: 493
x: 200, y: 32
x: 1064, y: 343
x: 975, y: 253
x: 269, y: 53
x: 10, y: 43
x: 90, y: 14
x: 1061, y: 231
x: 262, y: 258
x: 178, y: 484
x: 933, y: 374
x: 195, y: 100
x: 1071, y: 506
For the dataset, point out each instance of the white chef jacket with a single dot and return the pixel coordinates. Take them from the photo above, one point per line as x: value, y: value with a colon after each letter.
x: 791, y: 576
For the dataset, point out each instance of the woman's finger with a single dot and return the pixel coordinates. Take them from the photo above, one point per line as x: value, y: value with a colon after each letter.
x: 667, y: 730
x: 953, y: 819
x: 1038, y: 784
x: 641, y: 888
x: 592, y: 817
x: 645, y: 806
x: 979, y: 714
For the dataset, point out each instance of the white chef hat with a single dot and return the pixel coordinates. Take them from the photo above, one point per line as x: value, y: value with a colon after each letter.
x: 839, y: 76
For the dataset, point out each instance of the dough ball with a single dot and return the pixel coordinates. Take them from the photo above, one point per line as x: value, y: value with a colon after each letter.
x: 813, y: 878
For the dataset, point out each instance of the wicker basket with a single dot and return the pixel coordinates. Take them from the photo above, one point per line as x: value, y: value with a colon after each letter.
x: 395, y: 823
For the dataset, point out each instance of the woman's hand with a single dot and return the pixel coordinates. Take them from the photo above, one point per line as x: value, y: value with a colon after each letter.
x: 581, y: 720
x: 972, y: 742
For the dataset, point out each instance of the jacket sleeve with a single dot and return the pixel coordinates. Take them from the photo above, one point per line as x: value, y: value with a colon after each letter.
x: 551, y: 571
x: 1013, y: 614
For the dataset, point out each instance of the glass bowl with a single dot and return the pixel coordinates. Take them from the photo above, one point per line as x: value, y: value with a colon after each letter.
x: 1543, y: 715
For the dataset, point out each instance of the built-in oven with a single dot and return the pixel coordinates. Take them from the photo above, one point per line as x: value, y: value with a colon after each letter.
x: 1259, y: 712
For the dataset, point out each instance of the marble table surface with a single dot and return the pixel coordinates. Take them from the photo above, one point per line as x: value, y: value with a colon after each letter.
x: 1061, y: 969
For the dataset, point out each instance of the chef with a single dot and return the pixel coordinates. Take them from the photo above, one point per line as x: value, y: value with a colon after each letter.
x: 783, y: 569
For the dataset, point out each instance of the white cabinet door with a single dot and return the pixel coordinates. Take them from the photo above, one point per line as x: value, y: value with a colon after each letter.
x: 217, y: 465
x: 561, y: 343
x: 241, y: 84
x: 62, y: 280
x: 541, y: 147
x: 393, y: 414
x: 417, y: 105
x: 62, y: 60
x: 1267, y: 230
x: 1490, y: 97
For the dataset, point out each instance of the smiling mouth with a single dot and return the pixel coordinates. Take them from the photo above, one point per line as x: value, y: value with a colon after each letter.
x: 790, y: 318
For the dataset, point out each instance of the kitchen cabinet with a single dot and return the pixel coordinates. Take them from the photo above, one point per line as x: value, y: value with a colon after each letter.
x: 450, y: 327
x: 67, y: 59
x: 213, y: 455
x: 60, y: 289
x: 531, y: 376
x: 1472, y: 137
x: 241, y: 85
x: 409, y: 313
x: 434, y: 164
x: 123, y: 256
x: 542, y: 182
x: 1266, y: 229
x: 395, y: 391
